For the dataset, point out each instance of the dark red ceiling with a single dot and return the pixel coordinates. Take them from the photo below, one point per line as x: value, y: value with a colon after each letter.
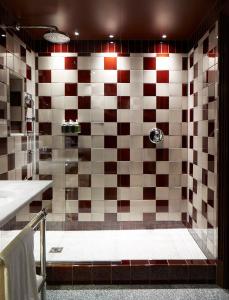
x: 126, y: 19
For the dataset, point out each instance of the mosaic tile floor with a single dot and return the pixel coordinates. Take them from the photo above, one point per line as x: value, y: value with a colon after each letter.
x: 190, y: 292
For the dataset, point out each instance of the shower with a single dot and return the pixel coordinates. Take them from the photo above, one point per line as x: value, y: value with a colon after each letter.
x: 53, y: 35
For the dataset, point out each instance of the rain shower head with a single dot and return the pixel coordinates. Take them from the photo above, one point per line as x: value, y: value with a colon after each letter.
x: 56, y: 37
x: 53, y: 35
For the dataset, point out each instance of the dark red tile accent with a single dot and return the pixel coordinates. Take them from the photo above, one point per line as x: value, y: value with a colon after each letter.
x: 211, y: 162
x: 110, y: 141
x: 84, y: 154
x: 149, y: 167
x: 45, y: 128
x: 205, y: 177
x: 84, y: 76
x: 147, y: 143
x: 123, y: 102
x: 149, y: 63
x: 110, y: 167
x: 71, y: 193
x: 162, y: 102
x: 149, y: 193
x: 85, y: 128
x: 123, y: 155
x: 196, y: 70
x: 110, y: 115
x: 210, y: 197
x: 44, y: 102
x: 164, y: 126
x: 23, y: 53
x: 204, y: 209
x: 3, y: 146
x: 84, y: 180
x: 191, y: 60
x: 149, y: 115
x: 110, y: 63
x: 206, y: 45
x: 84, y: 206
x: 123, y: 180
x: 162, y: 180
x: 71, y: 63
x: 71, y: 114
x: 149, y: 89
x: 211, y: 128
x: 101, y: 274
x: 123, y: 128
x: 84, y: 102
x: 28, y: 72
x: 123, y: 206
x: 71, y: 168
x: 184, y: 89
x: 121, y: 274
x: 70, y: 89
x: 82, y: 274
x: 162, y: 154
x: 110, y: 89
x: 44, y: 76
x: 123, y: 76
x: 35, y: 206
x: 140, y: 274
x: 184, y: 63
x: 191, y: 87
x: 11, y: 161
x: 163, y: 76
x: 110, y: 193
x: 162, y: 205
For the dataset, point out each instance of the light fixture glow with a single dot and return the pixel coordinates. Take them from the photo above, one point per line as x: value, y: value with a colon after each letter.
x: 164, y: 36
x: 3, y: 35
x: 111, y: 36
x: 77, y: 33
x: 111, y: 42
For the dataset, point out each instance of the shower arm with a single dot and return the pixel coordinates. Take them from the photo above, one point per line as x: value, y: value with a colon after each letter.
x: 18, y: 27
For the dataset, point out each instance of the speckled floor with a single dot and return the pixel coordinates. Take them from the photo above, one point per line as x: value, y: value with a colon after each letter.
x: 174, y: 292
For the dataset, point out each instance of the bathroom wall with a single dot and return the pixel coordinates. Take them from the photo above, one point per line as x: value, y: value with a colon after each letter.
x: 111, y: 176
x: 202, y: 136
x: 15, y: 154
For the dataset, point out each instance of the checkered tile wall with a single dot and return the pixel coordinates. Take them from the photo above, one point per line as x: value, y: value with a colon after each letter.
x: 15, y: 151
x: 111, y: 171
x: 202, y: 136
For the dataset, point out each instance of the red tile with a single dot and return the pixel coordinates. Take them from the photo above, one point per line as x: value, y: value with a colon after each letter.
x: 71, y: 114
x: 44, y: 76
x: 123, y: 206
x: 123, y: 180
x: 45, y: 102
x: 110, y: 115
x: 84, y: 76
x: 70, y: 89
x: 123, y: 128
x: 184, y: 89
x: 149, y: 193
x: 162, y: 102
x: 162, y: 205
x: 123, y: 154
x: 162, y: 180
x: 162, y: 154
x: 70, y: 63
x: 110, y: 89
x: 123, y: 76
x: 28, y: 72
x: 110, y: 167
x: 84, y: 102
x: 163, y: 76
x: 149, y: 89
x: 149, y: 167
x: 45, y: 128
x: 184, y: 63
x: 85, y: 128
x: 110, y: 141
x: 123, y: 102
x: 149, y: 63
x: 110, y: 63
x: 110, y: 193
x: 149, y: 115
x: 84, y: 206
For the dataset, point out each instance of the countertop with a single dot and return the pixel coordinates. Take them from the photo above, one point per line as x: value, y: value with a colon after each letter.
x: 15, y: 194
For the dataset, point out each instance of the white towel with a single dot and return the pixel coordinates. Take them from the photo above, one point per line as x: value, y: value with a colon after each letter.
x: 20, y: 271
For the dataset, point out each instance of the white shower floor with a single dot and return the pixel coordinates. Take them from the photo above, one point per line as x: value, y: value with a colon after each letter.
x: 115, y: 245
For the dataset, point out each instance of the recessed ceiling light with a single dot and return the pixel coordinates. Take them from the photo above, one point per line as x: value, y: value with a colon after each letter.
x: 111, y: 42
x: 111, y: 36
x: 3, y: 35
x: 77, y: 33
x: 164, y: 36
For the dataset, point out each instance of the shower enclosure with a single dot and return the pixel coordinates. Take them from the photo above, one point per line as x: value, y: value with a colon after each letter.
x: 118, y: 198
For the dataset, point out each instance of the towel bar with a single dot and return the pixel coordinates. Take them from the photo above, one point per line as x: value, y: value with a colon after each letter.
x: 38, y: 221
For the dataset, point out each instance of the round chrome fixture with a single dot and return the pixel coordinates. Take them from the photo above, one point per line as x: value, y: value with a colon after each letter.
x: 56, y: 37
x: 156, y: 136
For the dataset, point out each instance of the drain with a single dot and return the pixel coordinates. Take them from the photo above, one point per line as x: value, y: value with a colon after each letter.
x: 56, y: 250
